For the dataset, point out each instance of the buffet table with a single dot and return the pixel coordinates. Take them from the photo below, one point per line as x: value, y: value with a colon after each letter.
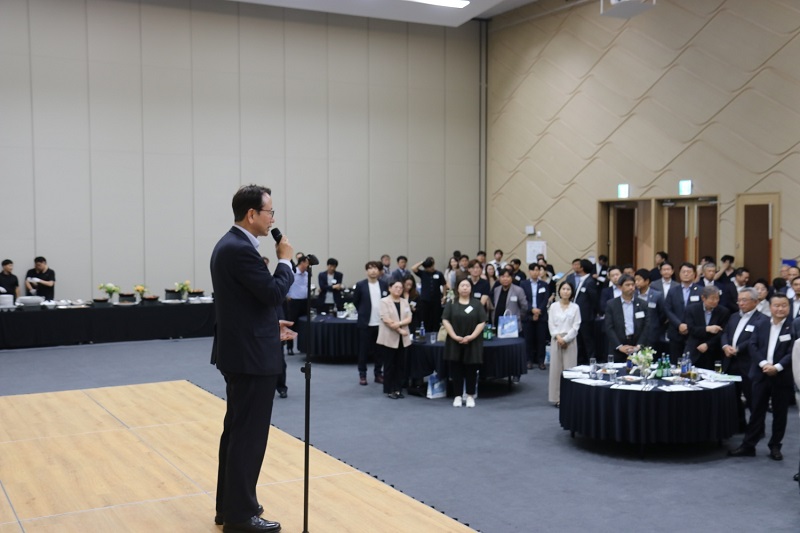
x: 334, y: 338
x: 501, y: 358
x: 57, y: 327
x: 648, y: 416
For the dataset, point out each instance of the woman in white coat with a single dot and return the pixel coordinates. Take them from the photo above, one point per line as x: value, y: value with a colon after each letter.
x: 564, y: 321
x: 393, y: 337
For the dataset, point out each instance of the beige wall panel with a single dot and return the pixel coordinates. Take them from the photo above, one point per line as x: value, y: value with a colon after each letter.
x: 14, y: 36
x: 388, y: 207
x: 305, y: 43
x: 115, y: 102
x: 462, y: 123
x: 117, y: 219
x: 739, y: 150
x: 716, y: 73
x: 426, y: 57
x: 114, y: 35
x: 539, y: 101
x: 731, y: 39
x: 463, y: 194
x: 785, y: 61
x: 647, y: 49
x: 261, y: 40
x: 462, y: 57
x: 262, y: 115
x: 388, y: 124
x: 679, y: 127
x: 426, y: 117
x: 58, y: 28
x: 703, y: 8
x: 17, y: 231
x: 562, y: 50
x: 388, y: 53
x: 60, y: 108
x: 306, y: 119
x: 672, y: 25
x: 168, y: 221
x: 596, y: 123
x: 215, y: 36
x: 167, y: 110
x: 426, y: 221
x: 653, y: 146
x: 63, y: 219
x: 215, y: 113
x: 348, y: 121
x: 619, y: 64
x: 15, y: 104
x: 307, y: 204
x: 167, y: 34
x: 348, y: 208
x: 689, y: 96
x: 761, y: 120
x: 266, y: 171
x: 348, y: 49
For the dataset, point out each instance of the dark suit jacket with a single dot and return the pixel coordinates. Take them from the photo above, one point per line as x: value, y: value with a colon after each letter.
x: 606, y: 295
x: 324, y: 288
x: 247, y: 300
x: 782, y: 353
x: 746, y: 344
x: 537, y: 298
x: 674, y: 307
x: 363, y: 302
x: 695, y: 318
x: 615, y: 323
x: 657, y: 321
x: 586, y: 298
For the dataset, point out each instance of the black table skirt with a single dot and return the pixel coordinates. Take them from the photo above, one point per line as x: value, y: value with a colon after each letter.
x: 333, y: 337
x: 501, y: 358
x: 655, y: 416
x: 58, y: 327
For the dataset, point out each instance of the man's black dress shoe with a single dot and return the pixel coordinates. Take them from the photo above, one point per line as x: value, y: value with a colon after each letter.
x: 775, y: 454
x: 255, y: 524
x: 219, y: 518
x: 742, y: 452
x: 282, y: 393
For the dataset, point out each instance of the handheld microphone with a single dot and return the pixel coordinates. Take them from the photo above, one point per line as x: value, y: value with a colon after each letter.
x: 278, y: 236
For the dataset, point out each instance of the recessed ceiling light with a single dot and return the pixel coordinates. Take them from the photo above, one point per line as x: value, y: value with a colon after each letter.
x: 443, y: 3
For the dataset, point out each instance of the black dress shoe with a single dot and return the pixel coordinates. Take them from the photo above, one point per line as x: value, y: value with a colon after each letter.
x: 797, y: 476
x: 290, y: 351
x: 741, y: 451
x: 219, y: 518
x: 255, y: 524
x: 775, y: 454
x: 282, y: 393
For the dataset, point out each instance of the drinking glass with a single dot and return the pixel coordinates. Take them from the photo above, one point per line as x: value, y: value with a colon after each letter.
x: 718, y: 367
x: 610, y: 361
x: 592, y: 365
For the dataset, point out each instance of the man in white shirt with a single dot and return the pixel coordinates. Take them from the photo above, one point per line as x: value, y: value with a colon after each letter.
x: 366, y: 297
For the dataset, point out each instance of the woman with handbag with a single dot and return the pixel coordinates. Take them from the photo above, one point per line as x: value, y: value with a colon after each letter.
x: 393, y: 337
x: 564, y: 321
x: 464, y: 319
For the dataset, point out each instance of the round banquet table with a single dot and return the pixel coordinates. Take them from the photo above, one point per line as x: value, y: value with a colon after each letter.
x: 648, y: 417
x: 501, y: 358
x: 333, y: 337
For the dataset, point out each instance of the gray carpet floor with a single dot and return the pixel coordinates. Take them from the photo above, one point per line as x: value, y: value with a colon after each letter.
x: 505, y: 466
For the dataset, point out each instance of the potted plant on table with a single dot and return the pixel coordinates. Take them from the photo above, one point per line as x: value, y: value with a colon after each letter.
x: 110, y: 289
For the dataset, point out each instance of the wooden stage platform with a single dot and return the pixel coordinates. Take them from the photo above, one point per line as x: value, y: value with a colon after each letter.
x: 142, y: 458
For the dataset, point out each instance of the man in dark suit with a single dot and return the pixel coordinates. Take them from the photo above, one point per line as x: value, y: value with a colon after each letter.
x: 610, y: 289
x: 366, y: 298
x: 657, y: 321
x: 660, y: 259
x: 330, y: 294
x: 586, y: 299
x: 535, y: 329
x: 626, y: 321
x: 678, y: 298
x: 771, y: 374
x: 705, y: 321
x: 739, y: 343
x: 247, y: 351
x: 665, y: 282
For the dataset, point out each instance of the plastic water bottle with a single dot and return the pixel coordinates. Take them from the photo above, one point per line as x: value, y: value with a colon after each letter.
x: 593, y: 369
x: 422, y: 330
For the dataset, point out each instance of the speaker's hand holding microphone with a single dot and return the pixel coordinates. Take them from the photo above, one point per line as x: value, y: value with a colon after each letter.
x: 283, y: 249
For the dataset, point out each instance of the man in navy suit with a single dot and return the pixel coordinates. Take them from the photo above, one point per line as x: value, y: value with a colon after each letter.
x: 586, y: 298
x: 366, y: 298
x: 706, y: 321
x: 535, y: 329
x: 771, y: 374
x: 739, y: 344
x: 654, y: 300
x: 330, y: 287
x: 626, y: 321
x: 247, y: 351
x: 678, y: 298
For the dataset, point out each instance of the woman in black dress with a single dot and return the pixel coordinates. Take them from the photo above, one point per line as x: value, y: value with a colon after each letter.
x: 464, y: 319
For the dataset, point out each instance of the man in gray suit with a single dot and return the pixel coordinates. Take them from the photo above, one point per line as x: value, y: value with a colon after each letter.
x: 510, y: 297
x: 247, y: 351
x: 626, y: 321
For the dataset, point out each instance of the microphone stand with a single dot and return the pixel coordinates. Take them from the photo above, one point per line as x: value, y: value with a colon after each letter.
x: 312, y: 261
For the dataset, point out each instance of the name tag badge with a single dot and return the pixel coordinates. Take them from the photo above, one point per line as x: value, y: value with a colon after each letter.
x: 751, y: 328
x: 436, y: 276
x: 385, y: 293
x: 639, y: 314
x: 601, y: 279
x: 478, y: 295
x: 784, y: 338
x: 694, y: 298
x: 542, y: 289
x: 651, y: 305
x: 583, y: 289
x: 468, y: 309
x: 513, y: 298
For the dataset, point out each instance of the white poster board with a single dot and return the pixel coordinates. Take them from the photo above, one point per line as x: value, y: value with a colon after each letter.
x: 535, y: 248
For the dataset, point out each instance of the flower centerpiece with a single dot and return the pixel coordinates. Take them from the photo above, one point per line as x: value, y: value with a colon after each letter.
x: 183, y: 287
x: 140, y: 290
x: 350, y: 309
x: 109, y: 288
x: 643, y: 359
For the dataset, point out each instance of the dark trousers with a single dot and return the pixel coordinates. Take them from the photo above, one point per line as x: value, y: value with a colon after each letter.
x: 745, y: 387
x: 431, y: 315
x: 461, y: 373
x: 536, y: 336
x: 281, y: 385
x: 294, y: 310
x: 586, y: 342
x: 781, y: 393
x: 367, y: 347
x: 394, y: 366
x: 676, y: 346
x: 243, y: 443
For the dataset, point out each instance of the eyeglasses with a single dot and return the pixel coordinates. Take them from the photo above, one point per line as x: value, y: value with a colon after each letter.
x: 270, y: 211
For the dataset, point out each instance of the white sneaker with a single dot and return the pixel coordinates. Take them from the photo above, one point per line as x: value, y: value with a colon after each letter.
x: 457, y: 402
x: 470, y: 401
